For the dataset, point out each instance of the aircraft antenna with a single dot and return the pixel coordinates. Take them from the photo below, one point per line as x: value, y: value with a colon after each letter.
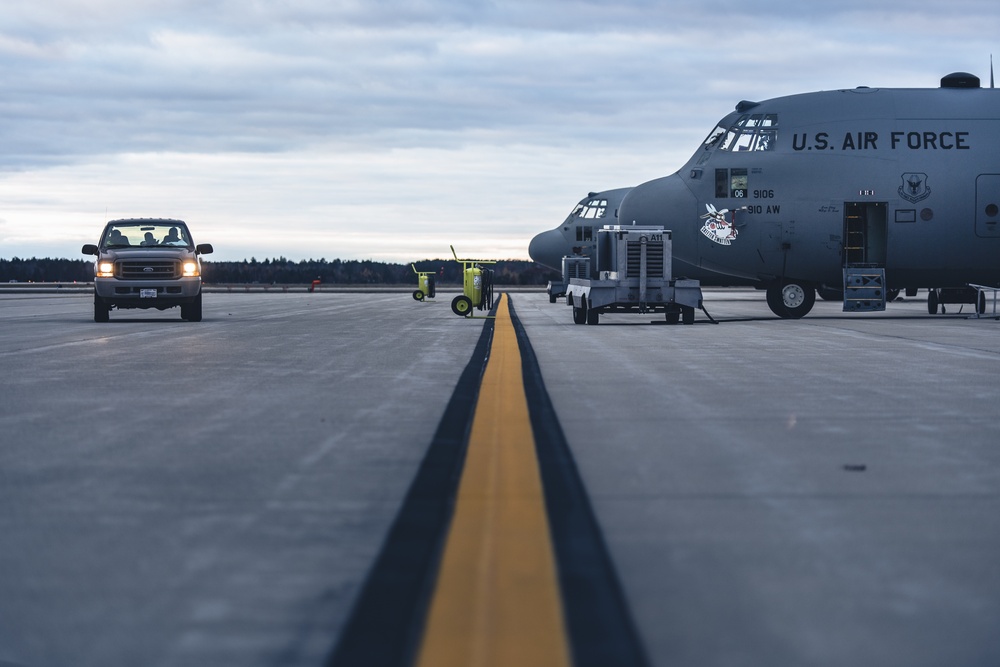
x: 991, y: 70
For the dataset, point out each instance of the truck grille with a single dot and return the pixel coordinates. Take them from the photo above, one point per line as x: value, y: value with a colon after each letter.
x: 154, y: 269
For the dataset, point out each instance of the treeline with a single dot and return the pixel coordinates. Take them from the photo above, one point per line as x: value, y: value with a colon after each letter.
x: 284, y: 271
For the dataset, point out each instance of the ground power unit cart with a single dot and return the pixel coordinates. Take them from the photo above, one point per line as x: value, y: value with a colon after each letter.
x: 633, y: 274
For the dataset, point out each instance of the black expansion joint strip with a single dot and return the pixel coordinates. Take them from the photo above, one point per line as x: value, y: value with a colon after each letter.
x: 601, y: 630
x: 387, y: 620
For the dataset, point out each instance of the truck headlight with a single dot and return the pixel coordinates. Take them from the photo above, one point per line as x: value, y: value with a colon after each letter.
x: 105, y: 269
x: 191, y: 269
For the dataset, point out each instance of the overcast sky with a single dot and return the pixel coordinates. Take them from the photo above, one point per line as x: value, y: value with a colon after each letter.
x: 388, y: 130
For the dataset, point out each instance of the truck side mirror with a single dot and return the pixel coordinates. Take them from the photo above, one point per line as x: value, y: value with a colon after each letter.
x: 204, y: 249
x: 89, y: 249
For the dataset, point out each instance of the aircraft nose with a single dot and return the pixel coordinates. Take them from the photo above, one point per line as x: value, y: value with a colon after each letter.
x: 548, y: 249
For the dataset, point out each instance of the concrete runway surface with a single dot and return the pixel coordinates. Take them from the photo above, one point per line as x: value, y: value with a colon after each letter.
x: 816, y: 492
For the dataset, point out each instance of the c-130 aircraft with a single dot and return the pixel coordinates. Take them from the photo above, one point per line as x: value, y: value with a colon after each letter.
x: 865, y: 189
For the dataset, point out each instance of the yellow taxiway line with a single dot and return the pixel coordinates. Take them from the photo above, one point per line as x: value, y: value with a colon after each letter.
x: 497, y: 601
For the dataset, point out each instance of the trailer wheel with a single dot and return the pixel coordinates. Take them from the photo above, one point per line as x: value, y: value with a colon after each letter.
x: 418, y: 295
x: 932, y: 301
x: 673, y: 314
x: 687, y: 314
x: 461, y: 305
x: 593, y: 315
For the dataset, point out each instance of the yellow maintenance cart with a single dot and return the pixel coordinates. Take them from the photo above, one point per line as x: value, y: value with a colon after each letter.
x: 477, y: 286
x: 425, y: 284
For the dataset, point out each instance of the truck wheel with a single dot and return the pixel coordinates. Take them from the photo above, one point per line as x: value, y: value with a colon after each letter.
x: 687, y: 314
x: 102, y: 311
x: 192, y: 311
x: 461, y: 305
x: 418, y: 295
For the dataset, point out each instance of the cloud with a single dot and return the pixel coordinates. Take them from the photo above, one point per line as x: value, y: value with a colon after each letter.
x: 301, y: 96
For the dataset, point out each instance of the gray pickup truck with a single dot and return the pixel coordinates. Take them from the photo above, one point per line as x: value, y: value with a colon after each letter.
x: 147, y: 263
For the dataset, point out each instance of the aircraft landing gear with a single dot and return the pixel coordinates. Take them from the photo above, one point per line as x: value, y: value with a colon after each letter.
x: 791, y: 299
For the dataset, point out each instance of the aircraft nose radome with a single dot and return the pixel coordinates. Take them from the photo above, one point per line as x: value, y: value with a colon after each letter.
x: 548, y: 248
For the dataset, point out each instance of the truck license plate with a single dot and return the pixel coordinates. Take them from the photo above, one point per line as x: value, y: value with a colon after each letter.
x: 147, y: 294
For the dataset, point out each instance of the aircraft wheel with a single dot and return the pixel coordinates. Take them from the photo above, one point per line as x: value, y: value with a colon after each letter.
x: 932, y: 301
x: 102, y: 311
x: 891, y: 295
x: 418, y: 295
x: 687, y: 314
x: 461, y: 305
x: 981, y: 306
x: 791, y: 300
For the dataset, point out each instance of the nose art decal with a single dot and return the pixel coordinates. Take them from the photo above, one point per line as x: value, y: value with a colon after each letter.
x: 717, y: 228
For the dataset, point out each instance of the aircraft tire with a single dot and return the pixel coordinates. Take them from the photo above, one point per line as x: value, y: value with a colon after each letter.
x: 932, y: 301
x: 461, y: 305
x: 791, y: 300
x: 418, y: 295
x: 981, y: 306
x: 102, y: 311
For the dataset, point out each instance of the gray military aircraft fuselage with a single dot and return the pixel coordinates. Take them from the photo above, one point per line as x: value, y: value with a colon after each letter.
x: 866, y: 189
x: 577, y: 237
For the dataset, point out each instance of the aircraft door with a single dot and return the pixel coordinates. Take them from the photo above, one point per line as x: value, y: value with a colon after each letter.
x: 865, y: 231
x: 988, y: 206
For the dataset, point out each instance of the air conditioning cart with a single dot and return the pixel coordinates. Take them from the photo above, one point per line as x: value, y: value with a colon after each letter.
x: 634, y: 275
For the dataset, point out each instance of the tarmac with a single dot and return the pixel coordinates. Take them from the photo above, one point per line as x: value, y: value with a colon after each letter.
x: 823, y: 491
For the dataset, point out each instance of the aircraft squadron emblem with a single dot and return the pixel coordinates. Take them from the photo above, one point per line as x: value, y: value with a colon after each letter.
x: 914, y: 187
x: 717, y: 228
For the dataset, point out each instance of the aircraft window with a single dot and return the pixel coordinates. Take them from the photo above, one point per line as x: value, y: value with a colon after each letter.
x: 714, y: 137
x: 752, y: 133
x: 739, y: 183
x: 730, y: 140
x: 595, y: 208
x: 721, y: 183
x: 584, y: 233
x: 745, y: 142
x: 765, y: 140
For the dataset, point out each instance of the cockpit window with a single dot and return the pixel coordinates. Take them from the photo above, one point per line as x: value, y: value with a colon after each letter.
x: 595, y: 208
x: 750, y: 132
x: 714, y: 137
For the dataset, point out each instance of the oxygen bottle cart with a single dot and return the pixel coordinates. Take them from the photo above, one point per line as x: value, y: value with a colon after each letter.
x: 477, y: 286
x: 425, y: 284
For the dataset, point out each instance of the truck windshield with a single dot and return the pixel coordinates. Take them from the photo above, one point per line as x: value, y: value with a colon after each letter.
x: 147, y: 236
